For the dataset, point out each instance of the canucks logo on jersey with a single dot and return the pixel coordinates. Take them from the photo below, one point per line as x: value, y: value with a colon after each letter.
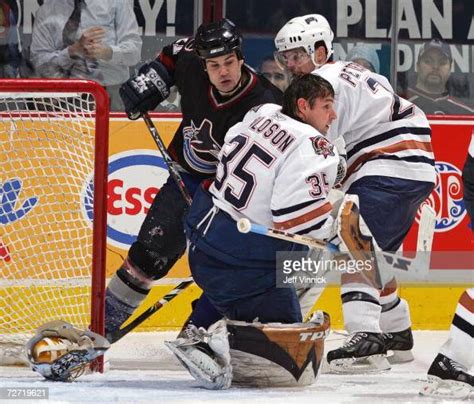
x: 200, y: 148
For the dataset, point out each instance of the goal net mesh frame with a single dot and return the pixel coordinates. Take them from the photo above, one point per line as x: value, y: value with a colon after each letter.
x: 53, y: 213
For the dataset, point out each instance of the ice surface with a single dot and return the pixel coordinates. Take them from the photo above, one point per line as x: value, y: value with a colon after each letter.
x: 141, y: 369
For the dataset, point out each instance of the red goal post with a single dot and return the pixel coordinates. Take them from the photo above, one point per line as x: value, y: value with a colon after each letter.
x: 53, y: 217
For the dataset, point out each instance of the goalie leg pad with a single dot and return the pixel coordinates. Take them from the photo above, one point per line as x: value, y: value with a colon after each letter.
x: 205, y: 354
x: 60, y: 352
x: 275, y: 354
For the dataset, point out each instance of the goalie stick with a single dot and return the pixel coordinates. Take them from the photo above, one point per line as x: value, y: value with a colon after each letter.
x: 417, y: 267
x: 116, y: 335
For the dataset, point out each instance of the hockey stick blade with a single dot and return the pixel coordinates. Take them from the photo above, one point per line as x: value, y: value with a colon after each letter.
x: 419, y: 266
x: 426, y: 229
x: 118, y: 334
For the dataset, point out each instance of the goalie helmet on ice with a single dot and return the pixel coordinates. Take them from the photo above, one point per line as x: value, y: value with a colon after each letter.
x: 60, y: 352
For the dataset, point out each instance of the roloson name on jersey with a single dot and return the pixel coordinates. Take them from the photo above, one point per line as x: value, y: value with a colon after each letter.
x: 271, y: 130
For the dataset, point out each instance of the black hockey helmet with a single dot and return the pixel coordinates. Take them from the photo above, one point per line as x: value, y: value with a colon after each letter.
x: 217, y: 39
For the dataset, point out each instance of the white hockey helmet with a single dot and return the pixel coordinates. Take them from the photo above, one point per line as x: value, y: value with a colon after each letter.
x: 304, y: 32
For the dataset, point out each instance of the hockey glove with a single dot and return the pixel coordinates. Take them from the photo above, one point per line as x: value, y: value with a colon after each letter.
x: 143, y: 93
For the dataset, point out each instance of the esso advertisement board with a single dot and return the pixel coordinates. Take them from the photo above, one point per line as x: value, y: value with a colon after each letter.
x: 135, y: 177
x: 453, y: 239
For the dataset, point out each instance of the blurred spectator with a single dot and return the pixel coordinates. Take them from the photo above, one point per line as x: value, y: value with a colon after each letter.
x: 90, y: 39
x: 433, y: 70
x: 365, y: 56
x: 278, y: 76
x: 10, y: 48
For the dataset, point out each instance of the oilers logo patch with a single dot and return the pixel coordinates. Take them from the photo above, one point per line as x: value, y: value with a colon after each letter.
x: 322, y: 146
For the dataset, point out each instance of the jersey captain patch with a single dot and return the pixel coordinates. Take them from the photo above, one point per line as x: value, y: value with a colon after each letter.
x: 322, y: 146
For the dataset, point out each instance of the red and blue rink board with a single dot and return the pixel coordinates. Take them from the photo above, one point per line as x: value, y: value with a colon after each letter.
x: 136, y: 172
x: 450, y: 140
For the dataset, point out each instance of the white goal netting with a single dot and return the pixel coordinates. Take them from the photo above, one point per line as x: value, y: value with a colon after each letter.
x: 47, y: 159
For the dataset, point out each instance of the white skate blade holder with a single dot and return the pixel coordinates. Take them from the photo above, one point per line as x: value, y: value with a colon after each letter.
x: 372, y: 364
x: 398, y: 357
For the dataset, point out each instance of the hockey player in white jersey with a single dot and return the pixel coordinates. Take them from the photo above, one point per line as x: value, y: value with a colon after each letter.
x: 390, y: 168
x: 275, y: 168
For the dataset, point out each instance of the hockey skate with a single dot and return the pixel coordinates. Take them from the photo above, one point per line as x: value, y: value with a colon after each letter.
x: 447, y: 379
x: 205, y: 354
x: 362, y: 352
x: 400, y: 344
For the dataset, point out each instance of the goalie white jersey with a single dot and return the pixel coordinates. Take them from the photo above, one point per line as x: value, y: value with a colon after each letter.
x: 277, y: 172
x: 384, y: 133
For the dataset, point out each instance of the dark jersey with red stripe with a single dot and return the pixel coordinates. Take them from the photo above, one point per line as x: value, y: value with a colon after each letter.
x: 207, y: 115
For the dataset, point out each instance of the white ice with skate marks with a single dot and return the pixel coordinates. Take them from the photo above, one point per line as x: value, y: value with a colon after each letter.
x: 142, y: 369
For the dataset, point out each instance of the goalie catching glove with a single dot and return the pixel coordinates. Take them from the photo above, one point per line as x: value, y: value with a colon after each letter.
x: 61, y: 352
x: 143, y: 93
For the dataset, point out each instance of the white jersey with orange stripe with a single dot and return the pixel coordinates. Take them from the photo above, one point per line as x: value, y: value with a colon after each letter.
x: 384, y: 133
x: 276, y: 171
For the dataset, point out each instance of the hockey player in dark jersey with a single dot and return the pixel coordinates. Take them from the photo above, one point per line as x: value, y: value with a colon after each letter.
x: 449, y: 375
x: 217, y: 89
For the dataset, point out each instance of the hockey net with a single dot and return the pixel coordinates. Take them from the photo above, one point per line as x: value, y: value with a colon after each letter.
x: 53, y: 158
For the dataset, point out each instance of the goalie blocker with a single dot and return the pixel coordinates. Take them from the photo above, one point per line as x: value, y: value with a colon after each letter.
x: 254, y: 354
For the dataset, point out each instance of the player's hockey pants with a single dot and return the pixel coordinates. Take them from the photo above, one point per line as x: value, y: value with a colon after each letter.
x: 389, y: 205
x: 237, y: 271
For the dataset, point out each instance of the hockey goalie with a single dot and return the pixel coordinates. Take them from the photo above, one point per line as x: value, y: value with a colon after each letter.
x: 60, y: 352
